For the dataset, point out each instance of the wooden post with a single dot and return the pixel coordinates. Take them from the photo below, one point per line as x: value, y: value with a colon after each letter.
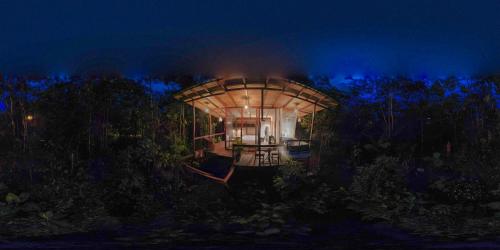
x: 225, y: 130
x: 241, y: 125
x: 194, y: 129
x: 210, y: 124
x: 278, y: 136
x: 261, y: 116
x: 312, y: 125
x: 275, y: 126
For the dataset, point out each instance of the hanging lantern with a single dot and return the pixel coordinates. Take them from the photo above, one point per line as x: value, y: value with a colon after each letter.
x: 220, y: 119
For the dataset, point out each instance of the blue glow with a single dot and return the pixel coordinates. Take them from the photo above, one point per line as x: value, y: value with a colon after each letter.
x: 365, y: 90
x: 137, y: 77
x: 37, y: 83
x: 357, y: 77
x: 158, y: 86
x: 162, y: 87
x: 61, y: 76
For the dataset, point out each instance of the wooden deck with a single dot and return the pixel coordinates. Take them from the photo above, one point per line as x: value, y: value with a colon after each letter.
x: 219, y: 149
x: 248, y: 158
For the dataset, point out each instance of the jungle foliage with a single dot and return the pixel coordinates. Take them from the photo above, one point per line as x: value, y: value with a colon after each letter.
x: 97, y: 153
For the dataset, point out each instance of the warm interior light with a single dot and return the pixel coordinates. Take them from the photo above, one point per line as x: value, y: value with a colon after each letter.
x: 220, y: 119
x: 207, y: 110
x: 299, y: 120
x: 29, y: 118
x: 246, y: 106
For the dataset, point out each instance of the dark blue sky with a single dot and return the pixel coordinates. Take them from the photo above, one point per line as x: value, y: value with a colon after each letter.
x: 431, y: 38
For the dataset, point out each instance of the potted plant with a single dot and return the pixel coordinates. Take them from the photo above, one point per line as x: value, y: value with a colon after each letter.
x: 237, y: 148
x: 237, y: 152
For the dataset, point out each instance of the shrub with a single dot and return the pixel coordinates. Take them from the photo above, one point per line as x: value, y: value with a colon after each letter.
x: 382, y: 179
x: 459, y: 190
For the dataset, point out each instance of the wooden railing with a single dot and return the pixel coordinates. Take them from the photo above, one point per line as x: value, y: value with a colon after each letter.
x: 296, y: 145
x: 209, y: 136
x: 210, y: 176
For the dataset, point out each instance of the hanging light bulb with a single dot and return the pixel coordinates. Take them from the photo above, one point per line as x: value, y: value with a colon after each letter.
x: 299, y: 120
x: 220, y: 119
x: 207, y: 110
x: 246, y: 98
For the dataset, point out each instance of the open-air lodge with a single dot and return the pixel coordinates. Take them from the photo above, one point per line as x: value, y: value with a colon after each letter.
x: 252, y: 122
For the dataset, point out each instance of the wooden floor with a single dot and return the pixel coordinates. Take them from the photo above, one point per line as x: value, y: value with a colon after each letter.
x: 247, y: 159
x: 220, y: 149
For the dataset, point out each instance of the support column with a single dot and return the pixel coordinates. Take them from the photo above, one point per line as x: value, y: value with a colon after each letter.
x: 261, y: 116
x: 275, y: 126
x: 224, y: 121
x: 312, y: 125
x: 278, y: 136
x: 241, y: 124
x: 210, y: 124
x: 194, y: 129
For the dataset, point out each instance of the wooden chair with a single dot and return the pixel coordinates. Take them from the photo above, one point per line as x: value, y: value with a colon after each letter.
x: 259, y: 156
x: 274, y: 156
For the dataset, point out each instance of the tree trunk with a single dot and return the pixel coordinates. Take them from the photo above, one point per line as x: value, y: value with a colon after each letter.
x: 12, y: 120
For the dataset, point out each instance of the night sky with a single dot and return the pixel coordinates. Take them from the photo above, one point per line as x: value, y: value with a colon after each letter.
x: 425, y: 38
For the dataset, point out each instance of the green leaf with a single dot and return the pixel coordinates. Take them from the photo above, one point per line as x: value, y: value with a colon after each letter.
x: 46, y: 215
x: 12, y: 198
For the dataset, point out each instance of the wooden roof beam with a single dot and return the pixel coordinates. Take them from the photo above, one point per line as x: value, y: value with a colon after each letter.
x: 215, y: 96
x: 314, y: 103
x: 275, y: 100
x: 289, y: 101
x: 226, y: 92
x: 232, y: 98
x: 213, y: 112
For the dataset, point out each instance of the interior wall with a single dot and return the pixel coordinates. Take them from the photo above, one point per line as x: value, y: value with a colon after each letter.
x: 246, y: 125
x: 268, y: 125
x: 288, y: 123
